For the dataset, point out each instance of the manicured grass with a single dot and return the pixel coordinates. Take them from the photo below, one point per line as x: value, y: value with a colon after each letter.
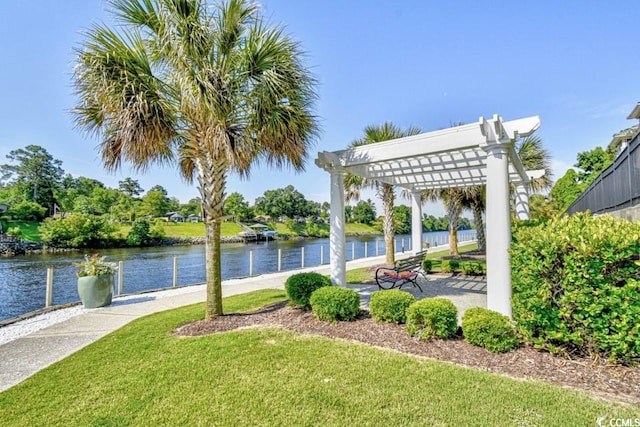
x: 363, y: 274
x: 143, y: 375
x: 305, y: 229
x: 188, y: 229
x: 29, y: 229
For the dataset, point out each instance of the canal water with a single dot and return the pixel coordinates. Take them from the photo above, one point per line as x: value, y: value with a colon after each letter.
x: 23, y: 278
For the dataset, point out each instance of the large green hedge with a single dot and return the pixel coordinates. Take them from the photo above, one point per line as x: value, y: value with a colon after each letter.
x: 576, y: 286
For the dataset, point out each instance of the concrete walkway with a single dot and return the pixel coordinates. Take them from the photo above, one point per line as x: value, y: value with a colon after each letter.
x: 24, y: 356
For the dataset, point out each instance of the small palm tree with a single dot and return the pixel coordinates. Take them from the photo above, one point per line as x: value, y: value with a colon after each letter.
x: 534, y: 156
x: 353, y: 183
x: 211, y: 88
x: 453, y: 199
x: 475, y: 199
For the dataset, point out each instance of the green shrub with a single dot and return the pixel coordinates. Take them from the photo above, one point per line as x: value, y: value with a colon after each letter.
x: 489, y: 329
x: 450, y: 265
x: 334, y: 303
x: 300, y: 287
x: 432, y: 317
x: 390, y: 306
x: 576, y: 287
x: 427, y: 265
x: 27, y: 211
x: 77, y: 231
x: 471, y: 268
x: 140, y: 233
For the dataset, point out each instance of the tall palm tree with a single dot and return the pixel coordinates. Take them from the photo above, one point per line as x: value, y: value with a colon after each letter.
x: 475, y: 199
x: 353, y: 183
x: 211, y: 88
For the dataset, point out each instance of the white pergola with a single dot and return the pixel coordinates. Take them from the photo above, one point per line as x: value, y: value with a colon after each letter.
x: 474, y: 154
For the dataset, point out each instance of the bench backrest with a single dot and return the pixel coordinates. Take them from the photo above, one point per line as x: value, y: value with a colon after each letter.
x: 411, y: 262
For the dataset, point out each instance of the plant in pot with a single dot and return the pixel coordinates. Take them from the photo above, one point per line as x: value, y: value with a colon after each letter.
x: 95, y: 281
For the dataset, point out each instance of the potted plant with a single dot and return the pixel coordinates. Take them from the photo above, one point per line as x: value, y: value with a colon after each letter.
x: 95, y: 281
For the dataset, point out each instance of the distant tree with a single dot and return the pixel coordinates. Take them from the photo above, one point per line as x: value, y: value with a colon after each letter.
x: 592, y: 163
x: 192, y: 207
x: 35, y: 172
x: 364, y: 212
x: 286, y: 201
x: 236, y: 206
x: 103, y: 199
x: 567, y: 189
x: 348, y: 214
x: 159, y: 188
x: 130, y: 187
x: 155, y: 203
x: 402, y: 219
x: 27, y: 211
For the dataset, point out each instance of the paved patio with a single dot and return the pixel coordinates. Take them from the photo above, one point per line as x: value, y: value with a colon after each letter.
x: 462, y: 291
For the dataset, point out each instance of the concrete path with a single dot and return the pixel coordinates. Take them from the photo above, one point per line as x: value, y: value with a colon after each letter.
x: 24, y: 356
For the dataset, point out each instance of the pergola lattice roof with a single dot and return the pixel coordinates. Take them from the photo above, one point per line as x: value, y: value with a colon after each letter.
x: 453, y: 157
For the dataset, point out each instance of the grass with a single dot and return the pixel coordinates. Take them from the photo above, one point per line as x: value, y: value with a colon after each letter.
x: 29, y: 229
x: 312, y: 229
x: 188, y: 229
x: 143, y: 375
x: 364, y: 274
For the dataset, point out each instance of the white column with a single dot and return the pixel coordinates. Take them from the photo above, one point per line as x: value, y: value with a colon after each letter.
x: 522, y: 201
x: 498, y: 230
x: 337, y: 257
x: 416, y: 222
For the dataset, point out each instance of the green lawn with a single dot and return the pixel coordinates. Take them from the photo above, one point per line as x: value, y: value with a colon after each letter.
x: 364, y: 274
x: 143, y: 375
x: 188, y: 229
x: 29, y: 229
x: 303, y: 229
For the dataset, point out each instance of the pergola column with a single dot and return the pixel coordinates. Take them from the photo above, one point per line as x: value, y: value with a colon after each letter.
x: 522, y: 201
x: 498, y: 229
x: 416, y: 222
x: 337, y: 245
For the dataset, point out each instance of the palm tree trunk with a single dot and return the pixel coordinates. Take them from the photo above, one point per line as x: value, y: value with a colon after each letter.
x: 212, y: 179
x: 453, y: 212
x: 477, y: 219
x: 388, y: 225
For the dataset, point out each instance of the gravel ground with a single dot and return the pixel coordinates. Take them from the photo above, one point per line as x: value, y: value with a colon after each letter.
x: 596, y: 377
x: 33, y: 324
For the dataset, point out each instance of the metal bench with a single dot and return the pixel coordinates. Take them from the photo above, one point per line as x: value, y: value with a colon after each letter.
x: 405, y: 271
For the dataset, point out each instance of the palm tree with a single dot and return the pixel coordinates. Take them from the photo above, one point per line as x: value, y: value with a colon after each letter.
x: 353, y: 183
x: 534, y: 156
x: 475, y: 199
x: 453, y: 199
x: 212, y: 89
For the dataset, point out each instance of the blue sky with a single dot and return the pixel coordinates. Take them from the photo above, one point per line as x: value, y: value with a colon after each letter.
x: 422, y: 63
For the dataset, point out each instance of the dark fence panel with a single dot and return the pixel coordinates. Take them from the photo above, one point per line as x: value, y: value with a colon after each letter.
x: 617, y: 187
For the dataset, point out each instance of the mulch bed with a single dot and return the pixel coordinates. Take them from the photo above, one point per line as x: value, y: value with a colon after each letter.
x: 596, y: 377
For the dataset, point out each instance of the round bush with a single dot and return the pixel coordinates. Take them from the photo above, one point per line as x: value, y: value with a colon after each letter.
x: 300, y: 287
x: 432, y: 317
x: 427, y: 265
x: 450, y: 265
x: 390, y: 306
x: 489, y: 329
x: 334, y: 303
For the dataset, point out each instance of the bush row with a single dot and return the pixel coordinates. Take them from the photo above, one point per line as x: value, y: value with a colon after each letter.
x: 425, y: 319
x: 470, y: 268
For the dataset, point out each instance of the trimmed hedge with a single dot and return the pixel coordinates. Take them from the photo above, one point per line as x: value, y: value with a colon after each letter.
x: 576, y: 286
x: 471, y: 268
x: 334, y: 303
x: 390, y: 306
x: 450, y: 265
x: 489, y: 329
x: 432, y: 318
x: 300, y: 287
x: 427, y: 265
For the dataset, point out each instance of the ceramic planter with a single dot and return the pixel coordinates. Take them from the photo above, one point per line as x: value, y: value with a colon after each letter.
x: 96, y: 291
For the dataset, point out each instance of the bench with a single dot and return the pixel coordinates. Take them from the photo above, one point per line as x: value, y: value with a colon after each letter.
x: 405, y: 271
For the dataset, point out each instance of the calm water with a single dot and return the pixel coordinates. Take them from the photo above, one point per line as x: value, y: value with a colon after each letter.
x: 23, y: 278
